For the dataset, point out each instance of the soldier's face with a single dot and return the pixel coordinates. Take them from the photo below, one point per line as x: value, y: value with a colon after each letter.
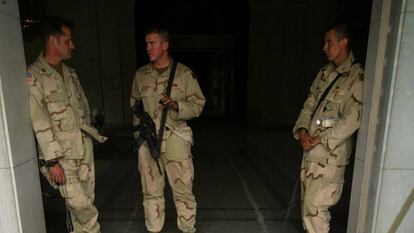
x: 64, y: 45
x: 156, y: 47
x: 334, y: 48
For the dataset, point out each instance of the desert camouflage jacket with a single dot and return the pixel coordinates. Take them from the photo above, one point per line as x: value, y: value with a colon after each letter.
x: 149, y: 86
x: 60, y: 113
x: 341, y: 109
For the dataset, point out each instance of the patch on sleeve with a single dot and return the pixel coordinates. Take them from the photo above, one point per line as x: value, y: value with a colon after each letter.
x: 29, y: 77
x: 30, y: 80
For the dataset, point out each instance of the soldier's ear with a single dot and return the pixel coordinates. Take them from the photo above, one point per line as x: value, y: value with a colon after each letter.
x: 165, y: 45
x: 52, y: 40
x: 344, y: 42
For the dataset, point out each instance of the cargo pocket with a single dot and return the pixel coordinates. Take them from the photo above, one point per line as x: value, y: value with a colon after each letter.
x: 67, y: 191
x: 177, y: 149
x: 77, y: 145
x: 327, y: 196
x: 335, y: 174
x: 72, y: 186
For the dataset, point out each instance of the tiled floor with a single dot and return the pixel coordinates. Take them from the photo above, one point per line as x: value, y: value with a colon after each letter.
x: 232, y: 193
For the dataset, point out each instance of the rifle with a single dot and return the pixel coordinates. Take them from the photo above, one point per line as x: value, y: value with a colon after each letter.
x: 44, y: 169
x: 291, y: 203
x: 147, y: 132
x: 69, y: 224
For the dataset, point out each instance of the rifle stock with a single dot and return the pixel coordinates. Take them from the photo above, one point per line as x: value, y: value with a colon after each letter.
x: 147, y: 133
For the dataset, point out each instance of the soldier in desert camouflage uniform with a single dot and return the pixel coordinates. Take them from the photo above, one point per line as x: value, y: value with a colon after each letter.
x: 61, y: 121
x: 185, y: 102
x: 327, y: 136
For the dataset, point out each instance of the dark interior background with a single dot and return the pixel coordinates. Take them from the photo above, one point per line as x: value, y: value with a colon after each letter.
x: 211, y: 37
x: 255, y: 61
x: 277, y: 52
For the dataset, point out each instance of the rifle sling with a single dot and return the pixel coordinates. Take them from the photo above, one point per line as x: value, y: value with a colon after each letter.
x: 325, y: 93
x: 165, y: 110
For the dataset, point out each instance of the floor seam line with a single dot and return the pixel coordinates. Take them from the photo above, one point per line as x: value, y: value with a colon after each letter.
x: 259, y: 215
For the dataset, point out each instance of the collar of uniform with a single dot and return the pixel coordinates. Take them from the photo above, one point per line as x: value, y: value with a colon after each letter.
x: 344, y: 67
x: 166, y: 72
x: 71, y: 71
x: 147, y: 68
x: 47, y: 69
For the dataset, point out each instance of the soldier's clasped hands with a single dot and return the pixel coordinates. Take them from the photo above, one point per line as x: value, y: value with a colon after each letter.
x: 308, y: 142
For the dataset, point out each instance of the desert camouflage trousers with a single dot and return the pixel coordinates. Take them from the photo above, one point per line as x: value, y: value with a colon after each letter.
x: 321, y: 186
x: 177, y: 164
x: 79, y: 194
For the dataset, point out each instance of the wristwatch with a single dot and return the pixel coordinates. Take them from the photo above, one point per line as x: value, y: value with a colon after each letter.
x: 52, y: 162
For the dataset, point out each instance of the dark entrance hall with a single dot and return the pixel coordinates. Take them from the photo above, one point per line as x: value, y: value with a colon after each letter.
x: 241, y: 184
x: 255, y: 61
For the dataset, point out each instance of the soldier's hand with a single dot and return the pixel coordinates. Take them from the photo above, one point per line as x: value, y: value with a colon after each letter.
x: 305, y: 140
x: 168, y: 102
x: 57, y: 174
x: 315, y: 141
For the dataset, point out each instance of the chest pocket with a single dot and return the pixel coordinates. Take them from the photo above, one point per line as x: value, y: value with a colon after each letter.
x: 336, y: 95
x: 334, y: 101
x: 75, y: 87
x: 56, y: 105
x: 177, y: 92
x: 147, y: 92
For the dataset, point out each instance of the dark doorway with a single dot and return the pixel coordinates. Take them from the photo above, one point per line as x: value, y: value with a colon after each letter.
x: 210, y: 37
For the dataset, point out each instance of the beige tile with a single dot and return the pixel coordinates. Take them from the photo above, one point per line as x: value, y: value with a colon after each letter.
x: 355, y: 195
x: 11, y: 44
x: 410, y: 5
x: 400, y: 148
x: 394, y: 190
x: 397, y: 7
x: 8, y: 203
x: 10, y: 8
x: 15, y: 93
x: 376, y: 10
x: 5, y: 157
x: 30, y: 197
x: 368, y: 85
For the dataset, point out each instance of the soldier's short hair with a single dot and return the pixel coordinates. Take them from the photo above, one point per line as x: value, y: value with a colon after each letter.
x: 342, y: 30
x: 160, y: 31
x: 52, y: 26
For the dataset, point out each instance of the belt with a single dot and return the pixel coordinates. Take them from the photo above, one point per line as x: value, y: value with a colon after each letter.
x: 327, y: 122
